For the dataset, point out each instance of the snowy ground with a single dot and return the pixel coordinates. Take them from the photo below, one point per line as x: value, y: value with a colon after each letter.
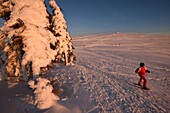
x: 103, y: 78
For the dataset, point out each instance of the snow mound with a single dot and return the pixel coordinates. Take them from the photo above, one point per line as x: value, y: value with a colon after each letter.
x: 44, y: 98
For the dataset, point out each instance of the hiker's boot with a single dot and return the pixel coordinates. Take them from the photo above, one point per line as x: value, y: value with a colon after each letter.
x: 145, y: 88
x: 139, y: 85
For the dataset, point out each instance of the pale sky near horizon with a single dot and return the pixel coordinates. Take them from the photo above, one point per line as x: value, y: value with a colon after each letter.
x: 106, y: 16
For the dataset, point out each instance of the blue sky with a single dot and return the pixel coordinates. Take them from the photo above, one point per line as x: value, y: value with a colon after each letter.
x: 106, y: 16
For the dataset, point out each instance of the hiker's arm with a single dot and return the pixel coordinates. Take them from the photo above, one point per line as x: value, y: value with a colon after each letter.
x: 147, y: 71
x: 137, y: 70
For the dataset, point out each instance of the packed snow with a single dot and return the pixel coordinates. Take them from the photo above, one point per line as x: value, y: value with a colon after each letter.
x: 102, y: 79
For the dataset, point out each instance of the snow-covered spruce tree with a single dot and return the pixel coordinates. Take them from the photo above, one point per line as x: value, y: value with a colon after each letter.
x: 31, y: 38
x: 59, y: 29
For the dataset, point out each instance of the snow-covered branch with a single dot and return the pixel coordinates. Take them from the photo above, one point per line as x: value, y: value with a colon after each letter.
x: 44, y: 98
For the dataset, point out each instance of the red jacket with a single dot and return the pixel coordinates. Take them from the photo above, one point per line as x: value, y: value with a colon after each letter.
x: 142, y: 71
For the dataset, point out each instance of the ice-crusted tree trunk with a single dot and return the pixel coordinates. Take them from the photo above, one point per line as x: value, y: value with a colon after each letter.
x: 31, y: 38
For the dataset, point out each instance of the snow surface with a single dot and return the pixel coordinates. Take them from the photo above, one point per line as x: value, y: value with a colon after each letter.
x: 103, y: 78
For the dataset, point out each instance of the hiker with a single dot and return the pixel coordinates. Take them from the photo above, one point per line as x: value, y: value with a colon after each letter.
x: 142, y: 70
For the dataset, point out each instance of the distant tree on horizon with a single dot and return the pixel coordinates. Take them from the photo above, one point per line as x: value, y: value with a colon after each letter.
x: 32, y: 38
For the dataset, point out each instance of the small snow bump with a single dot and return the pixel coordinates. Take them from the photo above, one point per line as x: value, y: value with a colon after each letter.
x: 65, y: 99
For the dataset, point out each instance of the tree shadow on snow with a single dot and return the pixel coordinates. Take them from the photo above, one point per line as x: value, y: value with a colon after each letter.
x: 17, y: 98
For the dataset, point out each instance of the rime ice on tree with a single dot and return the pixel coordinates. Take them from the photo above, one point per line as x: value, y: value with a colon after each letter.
x: 31, y: 38
x: 59, y: 28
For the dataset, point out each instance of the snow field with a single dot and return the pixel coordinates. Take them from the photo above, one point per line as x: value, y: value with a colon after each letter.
x: 107, y: 64
x: 103, y: 78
